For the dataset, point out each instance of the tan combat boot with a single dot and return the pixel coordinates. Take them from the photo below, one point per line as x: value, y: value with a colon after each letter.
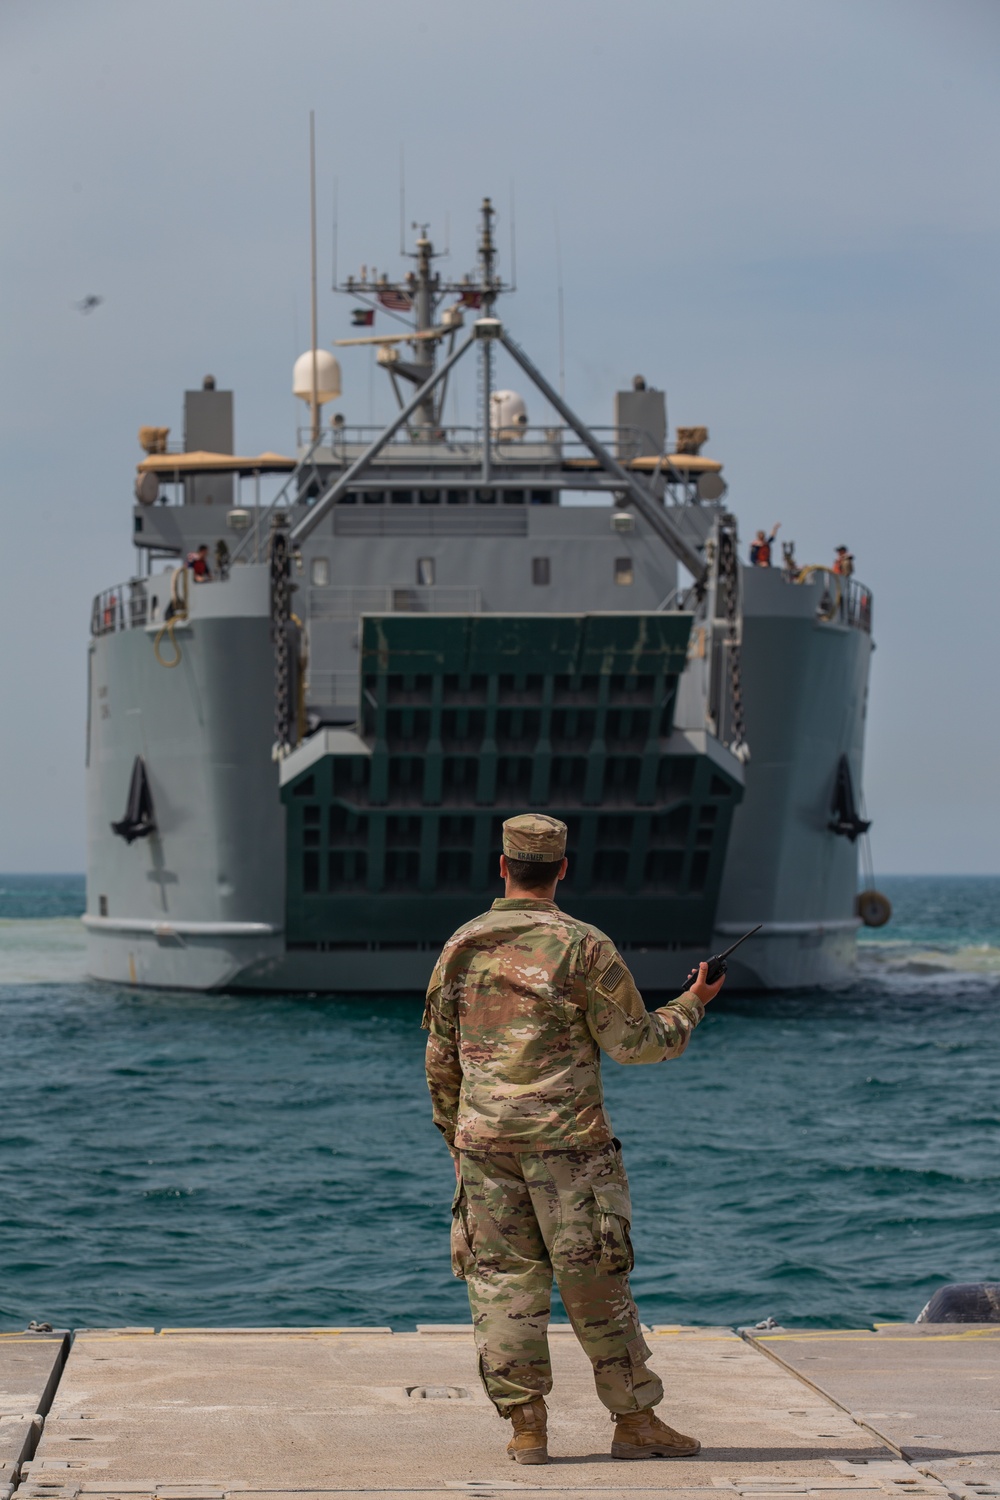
x: 529, y: 1445
x: 641, y: 1434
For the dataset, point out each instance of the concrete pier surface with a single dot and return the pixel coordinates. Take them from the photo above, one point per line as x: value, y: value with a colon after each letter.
x: 930, y: 1390
x: 201, y: 1414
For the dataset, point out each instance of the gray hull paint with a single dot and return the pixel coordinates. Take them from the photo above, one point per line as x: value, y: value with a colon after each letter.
x: 200, y: 905
x: 195, y: 903
x: 805, y: 690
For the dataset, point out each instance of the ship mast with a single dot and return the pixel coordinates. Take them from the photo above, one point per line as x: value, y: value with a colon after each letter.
x: 425, y: 284
x: 487, y: 288
x: 420, y: 294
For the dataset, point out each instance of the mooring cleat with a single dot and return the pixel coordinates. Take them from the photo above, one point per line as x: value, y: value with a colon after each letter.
x: 641, y: 1434
x: 529, y: 1445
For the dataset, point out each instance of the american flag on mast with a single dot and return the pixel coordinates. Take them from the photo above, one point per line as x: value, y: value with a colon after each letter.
x: 396, y: 301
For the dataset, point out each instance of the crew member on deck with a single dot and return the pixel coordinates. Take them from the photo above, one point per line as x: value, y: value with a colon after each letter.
x: 197, y: 561
x: 844, y: 563
x: 760, y: 547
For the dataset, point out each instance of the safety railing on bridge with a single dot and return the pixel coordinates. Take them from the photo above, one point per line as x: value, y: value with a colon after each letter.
x: 343, y: 443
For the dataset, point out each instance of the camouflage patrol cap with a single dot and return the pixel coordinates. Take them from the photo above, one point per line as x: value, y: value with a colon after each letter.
x: 534, y: 836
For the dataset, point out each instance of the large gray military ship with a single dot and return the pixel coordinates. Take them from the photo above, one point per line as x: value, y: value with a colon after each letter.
x: 308, y: 716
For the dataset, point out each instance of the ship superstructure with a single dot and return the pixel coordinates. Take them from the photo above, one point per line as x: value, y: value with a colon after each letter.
x: 423, y: 634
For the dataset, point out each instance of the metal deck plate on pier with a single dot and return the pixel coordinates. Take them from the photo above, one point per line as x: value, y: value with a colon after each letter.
x: 198, y: 1415
x: 29, y: 1370
x: 932, y: 1390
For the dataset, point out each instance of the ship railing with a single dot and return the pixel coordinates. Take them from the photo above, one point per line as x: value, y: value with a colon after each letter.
x: 842, y: 601
x: 856, y: 602
x: 346, y: 601
x: 683, y: 598
x: 125, y: 606
x: 343, y: 442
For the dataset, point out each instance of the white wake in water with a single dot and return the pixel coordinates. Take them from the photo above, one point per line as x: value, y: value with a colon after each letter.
x: 915, y: 966
x: 46, y: 950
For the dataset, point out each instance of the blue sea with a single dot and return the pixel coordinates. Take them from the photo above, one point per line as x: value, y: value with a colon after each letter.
x: 172, y: 1159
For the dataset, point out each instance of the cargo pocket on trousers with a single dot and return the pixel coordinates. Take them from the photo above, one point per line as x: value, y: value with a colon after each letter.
x: 615, y: 1209
x: 638, y: 1352
x: 461, y: 1247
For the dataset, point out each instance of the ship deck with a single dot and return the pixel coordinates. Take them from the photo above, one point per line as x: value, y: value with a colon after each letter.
x: 200, y: 1414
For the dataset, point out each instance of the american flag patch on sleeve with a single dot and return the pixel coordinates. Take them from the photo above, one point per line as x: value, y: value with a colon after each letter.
x: 612, y: 976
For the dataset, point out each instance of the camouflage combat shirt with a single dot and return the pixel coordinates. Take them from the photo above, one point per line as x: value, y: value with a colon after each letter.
x: 520, y: 1005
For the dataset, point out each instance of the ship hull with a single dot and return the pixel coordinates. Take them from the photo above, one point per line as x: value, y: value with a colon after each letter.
x: 805, y: 689
x: 818, y: 957
x: 202, y: 904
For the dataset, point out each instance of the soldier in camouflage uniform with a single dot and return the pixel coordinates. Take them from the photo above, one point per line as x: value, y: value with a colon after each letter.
x: 520, y: 1005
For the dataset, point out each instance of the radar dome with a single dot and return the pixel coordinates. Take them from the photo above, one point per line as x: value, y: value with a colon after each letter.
x: 508, y: 415
x: 327, y: 376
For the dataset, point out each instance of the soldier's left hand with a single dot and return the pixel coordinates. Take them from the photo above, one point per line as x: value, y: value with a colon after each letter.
x: 698, y: 984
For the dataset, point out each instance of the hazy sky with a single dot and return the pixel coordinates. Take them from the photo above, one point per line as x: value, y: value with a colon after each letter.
x: 783, y: 211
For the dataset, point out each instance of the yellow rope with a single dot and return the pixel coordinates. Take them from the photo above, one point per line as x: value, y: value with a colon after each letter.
x: 804, y: 575
x: 179, y: 601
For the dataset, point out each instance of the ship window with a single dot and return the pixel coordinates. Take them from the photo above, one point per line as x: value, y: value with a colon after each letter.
x: 319, y: 572
x: 425, y: 571
x: 401, y: 497
x: 429, y: 497
x: 373, y: 497
x: 541, y: 570
x: 664, y: 869
x: 486, y: 497
x: 610, y: 867
x: 624, y: 572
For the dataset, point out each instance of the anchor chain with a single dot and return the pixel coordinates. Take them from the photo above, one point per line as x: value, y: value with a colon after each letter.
x: 281, y: 595
x: 729, y: 578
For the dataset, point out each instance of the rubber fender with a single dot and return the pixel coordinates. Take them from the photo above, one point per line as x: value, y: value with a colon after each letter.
x: 873, y: 908
x: 964, y: 1302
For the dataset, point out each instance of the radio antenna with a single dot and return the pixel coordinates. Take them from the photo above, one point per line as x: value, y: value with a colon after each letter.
x: 513, y: 242
x: 559, y: 307
x: 335, y: 185
x: 402, y: 202
x: 312, y: 268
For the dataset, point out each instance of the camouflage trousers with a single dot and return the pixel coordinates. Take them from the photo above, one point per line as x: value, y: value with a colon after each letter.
x: 520, y: 1218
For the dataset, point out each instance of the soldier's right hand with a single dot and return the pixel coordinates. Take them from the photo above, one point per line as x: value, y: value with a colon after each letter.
x: 700, y: 987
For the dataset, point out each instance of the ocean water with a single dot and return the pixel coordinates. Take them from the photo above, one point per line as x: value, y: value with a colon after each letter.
x: 171, y: 1159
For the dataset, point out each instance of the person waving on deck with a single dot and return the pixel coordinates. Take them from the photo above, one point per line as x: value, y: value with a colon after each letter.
x: 522, y: 1002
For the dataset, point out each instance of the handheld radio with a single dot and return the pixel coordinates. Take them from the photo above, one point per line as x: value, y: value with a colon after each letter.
x: 717, y: 965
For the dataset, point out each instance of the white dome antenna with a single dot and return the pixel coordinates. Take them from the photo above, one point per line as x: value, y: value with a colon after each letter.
x: 327, y: 377
x: 508, y: 415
